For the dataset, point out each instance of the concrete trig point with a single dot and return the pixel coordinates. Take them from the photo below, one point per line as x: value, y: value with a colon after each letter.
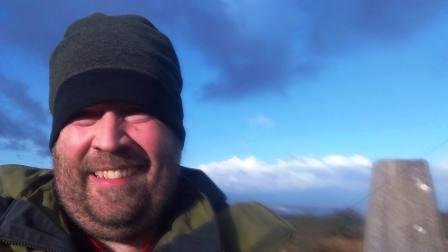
x: 402, y: 214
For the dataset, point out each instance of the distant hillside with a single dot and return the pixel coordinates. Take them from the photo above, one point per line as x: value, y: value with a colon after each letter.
x: 336, y: 232
x: 294, y: 210
x: 341, y: 231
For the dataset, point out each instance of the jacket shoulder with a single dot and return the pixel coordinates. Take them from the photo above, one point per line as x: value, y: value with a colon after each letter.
x: 197, y: 179
x: 253, y: 227
x: 16, y: 180
x: 244, y: 226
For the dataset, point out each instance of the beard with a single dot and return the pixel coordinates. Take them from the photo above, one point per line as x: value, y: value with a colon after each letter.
x: 118, y: 213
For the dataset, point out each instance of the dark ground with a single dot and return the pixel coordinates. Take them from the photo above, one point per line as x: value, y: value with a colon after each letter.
x: 341, y: 231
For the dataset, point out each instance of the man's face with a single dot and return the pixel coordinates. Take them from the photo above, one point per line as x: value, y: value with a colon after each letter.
x: 116, y: 169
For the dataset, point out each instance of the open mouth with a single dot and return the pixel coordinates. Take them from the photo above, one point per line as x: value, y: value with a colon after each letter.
x: 117, y: 174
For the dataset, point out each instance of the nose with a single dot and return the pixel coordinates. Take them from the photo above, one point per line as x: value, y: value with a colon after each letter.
x: 108, y: 133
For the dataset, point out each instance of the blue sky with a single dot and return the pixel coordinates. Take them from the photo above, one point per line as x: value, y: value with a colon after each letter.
x: 286, y: 102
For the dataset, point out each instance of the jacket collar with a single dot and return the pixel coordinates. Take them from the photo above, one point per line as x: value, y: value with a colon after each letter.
x: 23, y: 223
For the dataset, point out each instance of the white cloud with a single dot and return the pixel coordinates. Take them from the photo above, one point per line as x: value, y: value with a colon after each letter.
x: 348, y: 162
x: 249, y: 174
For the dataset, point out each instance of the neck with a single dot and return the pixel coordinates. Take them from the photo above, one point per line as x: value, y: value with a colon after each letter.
x: 143, y: 244
x: 125, y: 247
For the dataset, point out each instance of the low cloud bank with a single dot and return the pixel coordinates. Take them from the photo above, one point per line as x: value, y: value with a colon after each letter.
x: 237, y: 175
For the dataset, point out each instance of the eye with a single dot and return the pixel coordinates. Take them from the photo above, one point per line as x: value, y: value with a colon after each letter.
x: 85, y: 118
x: 137, y: 117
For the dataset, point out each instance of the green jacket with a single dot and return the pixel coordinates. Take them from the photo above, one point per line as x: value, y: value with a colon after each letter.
x: 32, y: 220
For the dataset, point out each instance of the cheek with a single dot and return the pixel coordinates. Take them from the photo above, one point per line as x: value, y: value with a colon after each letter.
x: 155, y: 138
x: 149, y: 139
x: 73, y: 143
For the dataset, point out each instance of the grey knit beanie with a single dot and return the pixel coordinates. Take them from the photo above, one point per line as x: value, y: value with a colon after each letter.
x: 115, y: 58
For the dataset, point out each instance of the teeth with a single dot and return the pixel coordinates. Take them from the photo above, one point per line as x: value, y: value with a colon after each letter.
x: 110, y: 174
x: 115, y: 174
x: 100, y: 174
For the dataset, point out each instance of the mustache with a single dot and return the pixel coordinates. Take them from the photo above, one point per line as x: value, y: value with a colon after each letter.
x: 114, y: 160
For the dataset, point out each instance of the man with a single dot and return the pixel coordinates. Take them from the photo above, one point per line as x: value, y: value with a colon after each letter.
x: 116, y: 141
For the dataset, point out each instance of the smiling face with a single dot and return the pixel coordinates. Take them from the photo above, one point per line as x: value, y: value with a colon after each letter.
x: 116, y: 170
